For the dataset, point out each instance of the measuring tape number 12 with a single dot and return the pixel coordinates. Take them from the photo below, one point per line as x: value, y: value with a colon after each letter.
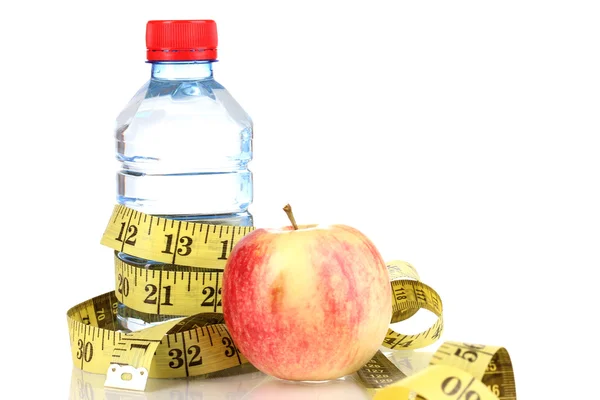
x: 197, y: 342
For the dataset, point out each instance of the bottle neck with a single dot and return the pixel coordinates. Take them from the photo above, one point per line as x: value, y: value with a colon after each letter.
x: 184, y: 70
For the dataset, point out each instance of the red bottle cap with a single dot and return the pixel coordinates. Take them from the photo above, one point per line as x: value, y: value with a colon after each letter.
x: 181, y: 40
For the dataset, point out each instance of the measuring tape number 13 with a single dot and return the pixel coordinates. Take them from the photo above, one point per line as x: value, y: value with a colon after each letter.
x: 197, y: 342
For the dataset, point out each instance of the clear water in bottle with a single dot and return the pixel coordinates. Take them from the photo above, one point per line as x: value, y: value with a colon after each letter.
x: 183, y: 142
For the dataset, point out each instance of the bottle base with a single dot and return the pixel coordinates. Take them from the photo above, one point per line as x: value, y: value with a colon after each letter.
x: 131, y: 320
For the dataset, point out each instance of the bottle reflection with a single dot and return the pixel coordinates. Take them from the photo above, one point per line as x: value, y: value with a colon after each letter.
x: 243, y: 382
x: 231, y: 384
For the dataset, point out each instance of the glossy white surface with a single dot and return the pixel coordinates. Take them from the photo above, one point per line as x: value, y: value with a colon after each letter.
x: 241, y: 383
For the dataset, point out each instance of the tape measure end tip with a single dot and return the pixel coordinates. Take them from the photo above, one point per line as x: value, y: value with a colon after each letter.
x: 126, y: 377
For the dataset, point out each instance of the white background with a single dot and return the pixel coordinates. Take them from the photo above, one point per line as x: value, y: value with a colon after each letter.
x: 461, y: 136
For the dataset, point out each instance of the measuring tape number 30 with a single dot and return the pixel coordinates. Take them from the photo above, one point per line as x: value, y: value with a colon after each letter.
x: 197, y: 342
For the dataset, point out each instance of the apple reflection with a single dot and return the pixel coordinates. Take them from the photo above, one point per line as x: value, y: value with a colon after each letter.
x: 344, y: 388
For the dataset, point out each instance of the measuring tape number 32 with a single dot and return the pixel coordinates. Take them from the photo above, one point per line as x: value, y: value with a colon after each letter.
x: 197, y: 342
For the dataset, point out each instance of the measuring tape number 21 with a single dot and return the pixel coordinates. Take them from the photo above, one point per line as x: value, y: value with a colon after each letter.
x: 197, y: 341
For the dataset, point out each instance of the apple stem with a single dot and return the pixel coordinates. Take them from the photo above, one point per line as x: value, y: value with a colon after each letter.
x: 290, y: 214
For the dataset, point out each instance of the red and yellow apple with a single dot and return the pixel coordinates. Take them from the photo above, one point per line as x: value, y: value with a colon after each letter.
x: 307, y: 304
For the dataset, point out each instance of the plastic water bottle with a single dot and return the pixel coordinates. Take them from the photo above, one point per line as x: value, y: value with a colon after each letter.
x: 183, y: 142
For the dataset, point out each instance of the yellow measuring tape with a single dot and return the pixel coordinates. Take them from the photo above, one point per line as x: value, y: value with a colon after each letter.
x: 198, y: 342
x: 459, y: 371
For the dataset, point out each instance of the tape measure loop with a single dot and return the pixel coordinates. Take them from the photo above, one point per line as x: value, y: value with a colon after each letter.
x: 197, y: 341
